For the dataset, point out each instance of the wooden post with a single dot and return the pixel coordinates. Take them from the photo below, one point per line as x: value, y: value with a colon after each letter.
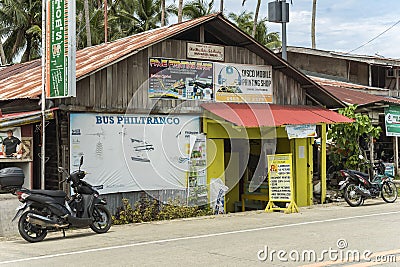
x: 201, y: 34
x: 323, y: 163
x: 396, y: 155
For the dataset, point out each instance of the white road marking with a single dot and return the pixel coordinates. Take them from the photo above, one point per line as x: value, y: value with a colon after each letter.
x: 194, y: 237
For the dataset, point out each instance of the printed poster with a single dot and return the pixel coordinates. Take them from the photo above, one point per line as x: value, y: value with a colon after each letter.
x: 132, y: 152
x: 180, y: 79
x: 280, y: 175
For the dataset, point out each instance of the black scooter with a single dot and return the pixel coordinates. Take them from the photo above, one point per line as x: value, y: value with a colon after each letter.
x: 47, y: 210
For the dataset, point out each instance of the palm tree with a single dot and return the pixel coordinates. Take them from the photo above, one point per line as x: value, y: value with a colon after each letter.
x: 197, y: 8
x: 87, y: 23
x: 314, y: 12
x: 162, y: 13
x: 255, y: 21
x: 245, y: 20
x: 3, y: 60
x: 20, y: 27
x: 180, y: 10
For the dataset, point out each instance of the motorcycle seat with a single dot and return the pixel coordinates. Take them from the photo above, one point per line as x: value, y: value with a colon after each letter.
x: 50, y: 193
x: 363, y: 174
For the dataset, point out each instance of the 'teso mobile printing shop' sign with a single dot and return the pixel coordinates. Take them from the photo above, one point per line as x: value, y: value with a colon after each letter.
x: 243, y: 83
x: 60, y: 49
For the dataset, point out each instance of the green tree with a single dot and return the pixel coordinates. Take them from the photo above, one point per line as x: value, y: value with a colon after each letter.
x: 20, y: 27
x: 255, y: 19
x: 347, y: 138
x: 245, y: 22
x: 198, y: 8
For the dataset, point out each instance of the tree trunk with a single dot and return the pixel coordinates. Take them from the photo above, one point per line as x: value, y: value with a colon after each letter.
x: 314, y: 13
x: 87, y: 22
x: 2, y: 54
x: 162, y: 13
x: 221, y: 7
x: 27, y: 54
x: 253, y: 33
x: 180, y: 9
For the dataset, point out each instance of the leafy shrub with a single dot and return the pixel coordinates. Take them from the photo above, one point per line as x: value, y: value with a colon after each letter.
x: 146, y: 210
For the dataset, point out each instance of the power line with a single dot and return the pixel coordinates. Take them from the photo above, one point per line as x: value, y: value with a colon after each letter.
x: 376, y: 37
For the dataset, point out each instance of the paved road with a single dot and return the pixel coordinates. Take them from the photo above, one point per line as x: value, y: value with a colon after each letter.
x: 231, y: 240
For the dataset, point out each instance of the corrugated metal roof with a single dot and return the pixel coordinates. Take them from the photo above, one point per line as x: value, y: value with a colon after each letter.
x: 256, y: 115
x: 353, y: 94
x: 22, y: 118
x: 24, y: 80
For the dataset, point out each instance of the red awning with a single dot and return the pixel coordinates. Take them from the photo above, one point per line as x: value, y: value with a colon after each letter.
x: 256, y: 115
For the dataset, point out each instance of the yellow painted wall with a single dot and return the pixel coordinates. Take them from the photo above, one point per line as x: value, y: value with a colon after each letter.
x: 302, y: 172
x: 215, y: 160
x: 232, y: 180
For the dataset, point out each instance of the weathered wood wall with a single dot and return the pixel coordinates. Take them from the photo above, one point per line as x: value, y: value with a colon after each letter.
x: 123, y: 86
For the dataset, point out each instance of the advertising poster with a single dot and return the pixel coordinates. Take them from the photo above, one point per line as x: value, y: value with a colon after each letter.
x: 301, y: 131
x: 60, y: 49
x: 197, y: 175
x: 132, y: 152
x: 180, y: 79
x: 243, y: 83
x: 392, y: 121
x: 280, y: 175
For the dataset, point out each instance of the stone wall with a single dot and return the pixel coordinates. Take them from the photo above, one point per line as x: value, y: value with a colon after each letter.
x: 8, y: 204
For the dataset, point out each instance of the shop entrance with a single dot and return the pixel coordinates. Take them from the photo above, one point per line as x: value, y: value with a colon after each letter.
x: 245, y: 163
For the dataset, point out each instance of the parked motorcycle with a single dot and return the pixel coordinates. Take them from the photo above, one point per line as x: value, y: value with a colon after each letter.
x: 357, y: 186
x: 42, y: 211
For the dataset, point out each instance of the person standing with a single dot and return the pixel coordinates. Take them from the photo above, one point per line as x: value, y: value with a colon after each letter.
x: 11, y: 145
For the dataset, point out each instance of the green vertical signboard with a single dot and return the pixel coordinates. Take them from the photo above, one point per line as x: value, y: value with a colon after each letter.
x: 60, y: 49
x: 392, y: 121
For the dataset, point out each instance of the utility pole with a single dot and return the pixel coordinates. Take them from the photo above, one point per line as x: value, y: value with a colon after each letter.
x: 284, y: 40
x: 314, y: 13
x: 43, y: 106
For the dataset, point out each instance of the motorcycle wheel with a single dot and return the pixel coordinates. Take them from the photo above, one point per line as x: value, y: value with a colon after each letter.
x: 28, y: 231
x: 351, y: 197
x: 102, y: 220
x: 389, y: 192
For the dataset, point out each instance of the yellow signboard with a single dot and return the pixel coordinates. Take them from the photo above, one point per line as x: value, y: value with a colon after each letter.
x: 280, y: 181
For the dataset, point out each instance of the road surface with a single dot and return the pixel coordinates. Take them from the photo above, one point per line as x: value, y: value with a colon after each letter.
x: 317, y: 236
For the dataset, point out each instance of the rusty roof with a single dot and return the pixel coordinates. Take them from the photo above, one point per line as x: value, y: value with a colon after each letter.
x: 24, y: 80
x: 257, y: 115
x: 354, y: 94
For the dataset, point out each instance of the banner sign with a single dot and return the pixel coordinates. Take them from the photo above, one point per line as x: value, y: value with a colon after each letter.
x: 60, y: 49
x: 206, y: 51
x: 392, y: 121
x: 197, y: 175
x: 134, y: 152
x: 180, y: 79
x: 280, y: 176
x: 301, y: 131
x: 243, y: 83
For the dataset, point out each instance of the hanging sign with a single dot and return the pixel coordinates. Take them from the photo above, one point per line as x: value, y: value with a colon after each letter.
x: 60, y: 49
x: 301, y: 131
x: 281, y: 182
x: 243, y: 83
x: 206, y: 51
x: 392, y: 121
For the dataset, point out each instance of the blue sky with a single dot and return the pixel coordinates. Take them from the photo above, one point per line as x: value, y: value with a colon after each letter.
x: 341, y: 25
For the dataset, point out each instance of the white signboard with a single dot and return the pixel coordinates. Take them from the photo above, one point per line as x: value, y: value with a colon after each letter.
x: 301, y: 131
x: 206, y: 51
x: 243, y: 83
x: 132, y: 152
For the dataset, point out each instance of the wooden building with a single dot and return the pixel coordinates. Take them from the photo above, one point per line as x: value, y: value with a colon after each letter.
x: 113, y: 80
